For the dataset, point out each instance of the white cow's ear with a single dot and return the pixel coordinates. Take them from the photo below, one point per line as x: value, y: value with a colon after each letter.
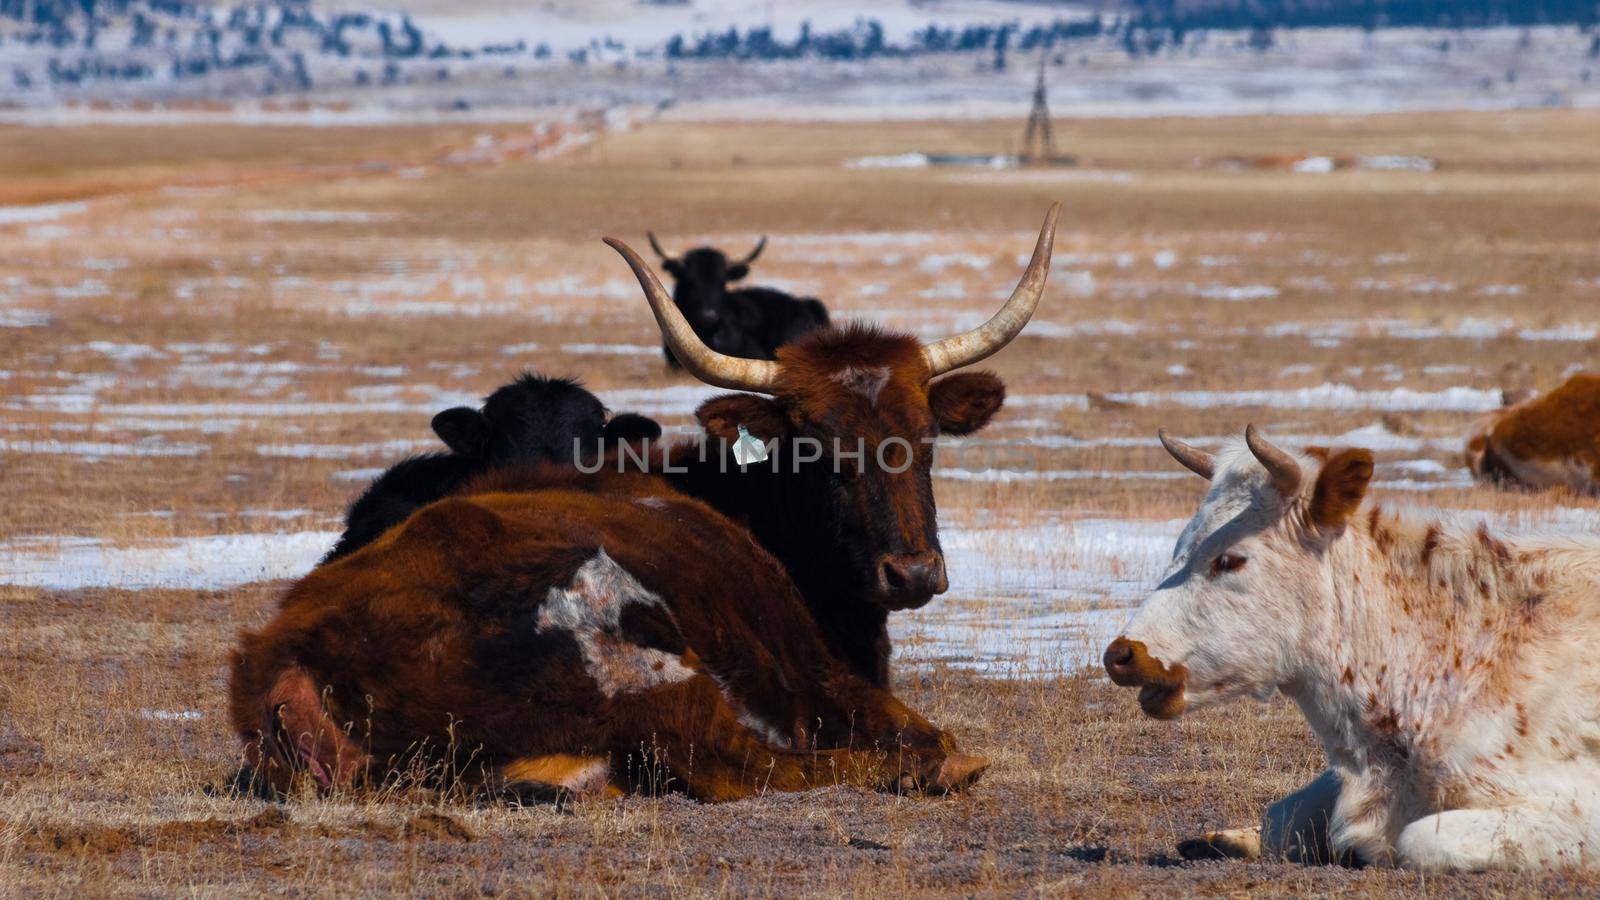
x: 1341, y: 485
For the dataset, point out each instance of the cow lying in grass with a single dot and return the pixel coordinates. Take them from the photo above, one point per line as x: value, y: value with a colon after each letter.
x: 545, y: 629
x: 1542, y: 441
x: 533, y: 419
x: 1451, y: 675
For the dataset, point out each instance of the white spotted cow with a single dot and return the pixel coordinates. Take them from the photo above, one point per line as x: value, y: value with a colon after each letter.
x: 1451, y: 676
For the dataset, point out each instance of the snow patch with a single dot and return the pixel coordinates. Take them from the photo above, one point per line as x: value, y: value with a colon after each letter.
x: 190, y: 563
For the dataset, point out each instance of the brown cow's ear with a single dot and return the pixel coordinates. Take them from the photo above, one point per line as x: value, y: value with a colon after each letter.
x: 966, y: 401
x: 763, y: 417
x: 1341, y: 485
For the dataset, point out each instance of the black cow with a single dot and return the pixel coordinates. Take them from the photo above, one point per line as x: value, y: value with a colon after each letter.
x: 751, y: 323
x: 533, y: 419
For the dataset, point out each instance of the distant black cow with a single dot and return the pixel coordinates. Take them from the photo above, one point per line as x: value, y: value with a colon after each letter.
x: 532, y: 419
x: 750, y: 322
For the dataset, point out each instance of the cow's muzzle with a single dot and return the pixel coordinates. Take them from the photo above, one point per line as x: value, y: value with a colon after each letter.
x: 910, y: 580
x: 1160, y: 687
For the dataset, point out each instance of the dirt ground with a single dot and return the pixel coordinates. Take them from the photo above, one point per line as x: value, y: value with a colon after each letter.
x: 221, y: 331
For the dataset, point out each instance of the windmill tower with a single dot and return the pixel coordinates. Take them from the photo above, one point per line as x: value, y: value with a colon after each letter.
x: 1038, y: 141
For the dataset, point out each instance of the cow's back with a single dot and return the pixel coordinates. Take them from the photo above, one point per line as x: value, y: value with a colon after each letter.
x: 444, y: 629
x: 1551, y: 439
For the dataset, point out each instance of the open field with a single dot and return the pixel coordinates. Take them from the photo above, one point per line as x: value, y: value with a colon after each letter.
x: 211, y: 337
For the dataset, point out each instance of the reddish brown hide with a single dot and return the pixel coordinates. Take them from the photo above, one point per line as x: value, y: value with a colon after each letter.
x: 490, y: 634
x: 1546, y: 441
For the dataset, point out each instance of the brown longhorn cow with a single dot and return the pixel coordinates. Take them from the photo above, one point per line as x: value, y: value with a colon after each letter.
x: 858, y: 536
x: 544, y: 629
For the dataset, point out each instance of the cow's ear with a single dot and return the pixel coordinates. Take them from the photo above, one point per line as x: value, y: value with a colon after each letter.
x: 463, y: 430
x: 1341, y: 485
x: 763, y: 417
x: 738, y: 271
x: 966, y: 401
x: 673, y: 267
x: 628, y: 427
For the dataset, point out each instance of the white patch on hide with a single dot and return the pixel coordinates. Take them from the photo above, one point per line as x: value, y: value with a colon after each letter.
x: 865, y: 381
x: 764, y: 730
x: 591, y: 610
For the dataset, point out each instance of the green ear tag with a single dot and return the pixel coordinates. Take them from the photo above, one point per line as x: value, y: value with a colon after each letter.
x: 748, y: 448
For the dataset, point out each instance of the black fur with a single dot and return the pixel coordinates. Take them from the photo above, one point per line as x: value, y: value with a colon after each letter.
x: 751, y: 322
x: 533, y: 419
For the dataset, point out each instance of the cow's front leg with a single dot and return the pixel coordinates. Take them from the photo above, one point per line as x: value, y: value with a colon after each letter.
x: 1294, y: 828
x: 1478, y: 839
x: 687, y: 736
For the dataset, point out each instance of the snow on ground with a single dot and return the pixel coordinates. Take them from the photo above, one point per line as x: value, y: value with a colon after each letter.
x: 192, y: 563
x: 1323, y: 396
x: 1036, y: 600
x: 610, y: 349
x: 97, y: 449
x: 346, y: 451
x: 678, y: 400
x: 318, y: 216
x: 42, y: 212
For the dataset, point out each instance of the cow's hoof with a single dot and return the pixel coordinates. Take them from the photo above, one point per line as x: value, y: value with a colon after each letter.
x: 955, y: 772
x: 1234, y: 843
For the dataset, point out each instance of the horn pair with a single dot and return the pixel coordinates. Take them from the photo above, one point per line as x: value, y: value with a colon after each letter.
x: 761, y: 375
x: 760, y: 246
x: 1281, y: 466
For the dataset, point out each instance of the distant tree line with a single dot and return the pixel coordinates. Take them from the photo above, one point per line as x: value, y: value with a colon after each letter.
x: 866, y: 40
x: 183, y: 40
x: 1144, y: 28
x: 1178, y: 17
x: 127, y: 40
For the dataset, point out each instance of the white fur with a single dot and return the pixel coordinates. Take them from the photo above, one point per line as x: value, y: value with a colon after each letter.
x: 591, y: 611
x: 1457, y: 699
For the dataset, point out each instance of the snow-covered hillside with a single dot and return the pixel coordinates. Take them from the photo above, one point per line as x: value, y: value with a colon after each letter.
x: 748, y: 58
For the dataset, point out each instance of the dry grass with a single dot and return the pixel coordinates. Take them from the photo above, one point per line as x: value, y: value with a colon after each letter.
x: 409, y: 297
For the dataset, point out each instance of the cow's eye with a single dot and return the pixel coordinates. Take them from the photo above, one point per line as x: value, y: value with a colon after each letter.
x: 1227, y: 562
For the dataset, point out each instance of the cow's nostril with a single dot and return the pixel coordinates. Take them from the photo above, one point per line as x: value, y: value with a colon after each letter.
x: 894, y: 576
x: 1119, y: 658
x: 912, y: 575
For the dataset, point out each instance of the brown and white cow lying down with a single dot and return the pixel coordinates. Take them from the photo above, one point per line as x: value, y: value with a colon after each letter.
x: 1451, y: 675
x: 568, y: 632
x: 1542, y: 441
x: 546, y: 630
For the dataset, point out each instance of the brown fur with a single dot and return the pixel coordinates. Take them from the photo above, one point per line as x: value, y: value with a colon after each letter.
x: 1341, y: 484
x: 1129, y: 664
x: 426, y: 644
x: 846, y: 528
x: 1562, y: 426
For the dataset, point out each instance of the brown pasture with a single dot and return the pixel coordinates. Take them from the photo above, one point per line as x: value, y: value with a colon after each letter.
x: 239, y: 354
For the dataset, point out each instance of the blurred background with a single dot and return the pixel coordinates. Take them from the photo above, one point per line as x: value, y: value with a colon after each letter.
x: 498, y: 59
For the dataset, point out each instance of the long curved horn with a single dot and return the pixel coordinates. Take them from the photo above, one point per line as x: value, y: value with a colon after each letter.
x: 1279, y: 464
x: 702, y: 362
x: 1192, y: 458
x: 987, y: 339
x: 760, y: 246
x: 655, y: 246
